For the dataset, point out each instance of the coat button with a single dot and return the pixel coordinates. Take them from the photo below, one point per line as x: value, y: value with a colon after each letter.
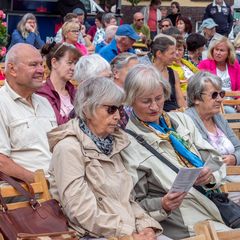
x: 100, y: 199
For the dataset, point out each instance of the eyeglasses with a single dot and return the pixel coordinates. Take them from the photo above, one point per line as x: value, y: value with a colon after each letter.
x: 140, y: 19
x: 165, y: 25
x: 111, y: 109
x: 75, y: 31
x: 214, y: 95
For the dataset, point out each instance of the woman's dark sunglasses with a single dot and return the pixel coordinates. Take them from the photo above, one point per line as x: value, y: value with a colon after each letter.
x: 215, y: 94
x: 111, y: 109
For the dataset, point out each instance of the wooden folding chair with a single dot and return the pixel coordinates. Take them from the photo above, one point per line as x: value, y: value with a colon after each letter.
x: 207, y: 229
x: 39, y: 186
x: 232, y: 186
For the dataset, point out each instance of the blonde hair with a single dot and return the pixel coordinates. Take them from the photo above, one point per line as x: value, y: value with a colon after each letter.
x: 67, y: 27
x: 236, y: 42
x: 231, y: 51
x: 21, y: 24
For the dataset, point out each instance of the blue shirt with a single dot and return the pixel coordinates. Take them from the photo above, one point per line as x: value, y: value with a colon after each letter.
x: 110, y: 51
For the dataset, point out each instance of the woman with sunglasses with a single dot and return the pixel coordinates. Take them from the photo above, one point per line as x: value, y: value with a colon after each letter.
x: 204, y: 98
x: 60, y: 60
x: 87, y: 174
x: 70, y: 32
x: 174, y: 136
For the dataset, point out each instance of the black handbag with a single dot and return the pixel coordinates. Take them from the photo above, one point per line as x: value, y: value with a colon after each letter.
x: 229, y: 210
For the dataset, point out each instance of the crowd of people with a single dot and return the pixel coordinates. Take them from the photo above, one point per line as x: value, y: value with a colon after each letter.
x: 87, y: 139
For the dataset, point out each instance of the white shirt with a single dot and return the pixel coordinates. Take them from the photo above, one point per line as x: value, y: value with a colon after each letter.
x: 23, y: 129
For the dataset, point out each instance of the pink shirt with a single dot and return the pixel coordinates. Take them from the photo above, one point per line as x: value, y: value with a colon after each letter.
x: 221, y: 143
x: 66, y: 105
x: 81, y: 48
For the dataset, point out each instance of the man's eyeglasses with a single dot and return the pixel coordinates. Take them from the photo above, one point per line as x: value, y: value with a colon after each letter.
x: 214, y: 95
x: 140, y: 19
x: 111, y: 109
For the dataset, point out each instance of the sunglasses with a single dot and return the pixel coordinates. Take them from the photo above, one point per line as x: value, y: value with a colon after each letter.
x: 215, y: 94
x: 140, y: 19
x: 111, y: 109
x: 165, y: 25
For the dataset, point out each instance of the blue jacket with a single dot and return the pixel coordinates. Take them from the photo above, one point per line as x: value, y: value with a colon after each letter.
x: 32, y: 39
x: 110, y: 51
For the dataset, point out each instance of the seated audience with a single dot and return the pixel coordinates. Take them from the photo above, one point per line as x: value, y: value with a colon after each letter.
x: 58, y: 89
x: 27, y: 32
x: 95, y: 188
x: 140, y: 28
x: 91, y: 66
x: 25, y: 117
x: 71, y: 17
x: 123, y: 41
x: 208, y: 29
x: 195, y: 46
x: 70, y: 32
x: 184, y: 25
x: 164, y: 52
x: 176, y: 138
x: 204, y: 98
x: 121, y: 64
x: 109, y: 19
x: 165, y: 24
x: 223, y: 63
x: 110, y: 33
x: 183, y: 67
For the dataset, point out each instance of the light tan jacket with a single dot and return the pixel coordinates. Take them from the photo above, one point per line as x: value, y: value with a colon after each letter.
x: 93, y: 188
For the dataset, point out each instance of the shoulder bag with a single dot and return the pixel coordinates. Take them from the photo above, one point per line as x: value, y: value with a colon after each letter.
x: 37, y: 218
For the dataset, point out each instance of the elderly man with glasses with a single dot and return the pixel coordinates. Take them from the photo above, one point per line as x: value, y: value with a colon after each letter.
x: 142, y: 29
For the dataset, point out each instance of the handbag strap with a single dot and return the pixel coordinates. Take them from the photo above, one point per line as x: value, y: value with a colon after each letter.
x: 142, y: 141
x: 28, y: 195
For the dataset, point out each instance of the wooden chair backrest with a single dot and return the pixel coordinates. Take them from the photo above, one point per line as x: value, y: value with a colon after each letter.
x: 235, y: 95
x: 207, y: 229
x: 235, y: 126
x: 39, y: 186
x: 232, y: 186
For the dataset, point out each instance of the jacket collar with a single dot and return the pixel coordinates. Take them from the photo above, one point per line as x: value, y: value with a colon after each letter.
x: 90, y: 149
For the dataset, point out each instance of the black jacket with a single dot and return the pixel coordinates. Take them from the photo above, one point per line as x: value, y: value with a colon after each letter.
x: 224, y: 19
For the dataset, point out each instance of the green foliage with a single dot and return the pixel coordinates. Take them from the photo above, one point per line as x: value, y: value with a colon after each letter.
x: 134, y: 2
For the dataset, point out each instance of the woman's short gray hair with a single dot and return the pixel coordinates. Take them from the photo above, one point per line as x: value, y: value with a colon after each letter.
x: 122, y: 59
x: 90, y: 66
x: 95, y: 92
x: 197, y: 84
x: 144, y: 78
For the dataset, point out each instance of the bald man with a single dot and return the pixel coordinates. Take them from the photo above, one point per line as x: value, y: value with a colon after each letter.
x: 25, y: 118
x: 142, y: 30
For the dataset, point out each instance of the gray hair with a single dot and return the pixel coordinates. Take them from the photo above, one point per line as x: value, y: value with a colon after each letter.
x: 110, y: 32
x: 90, y: 66
x: 95, y: 92
x: 122, y: 59
x: 108, y: 17
x: 143, y: 78
x: 21, y: 24
x: 197, y: 83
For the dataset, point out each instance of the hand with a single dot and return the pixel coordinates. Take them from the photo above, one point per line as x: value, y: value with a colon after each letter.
x: 145, y: 234
x: 29, y: 28
x: 230, y: 160
x: 83, y: 29
x: 205, y: 177
x: 172, y: 200
x: 237, y: 107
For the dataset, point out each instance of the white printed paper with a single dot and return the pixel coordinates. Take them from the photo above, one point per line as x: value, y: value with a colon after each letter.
x: 185, y: 179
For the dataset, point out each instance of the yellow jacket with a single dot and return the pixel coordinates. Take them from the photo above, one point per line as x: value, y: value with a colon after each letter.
x: 178, y: 68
